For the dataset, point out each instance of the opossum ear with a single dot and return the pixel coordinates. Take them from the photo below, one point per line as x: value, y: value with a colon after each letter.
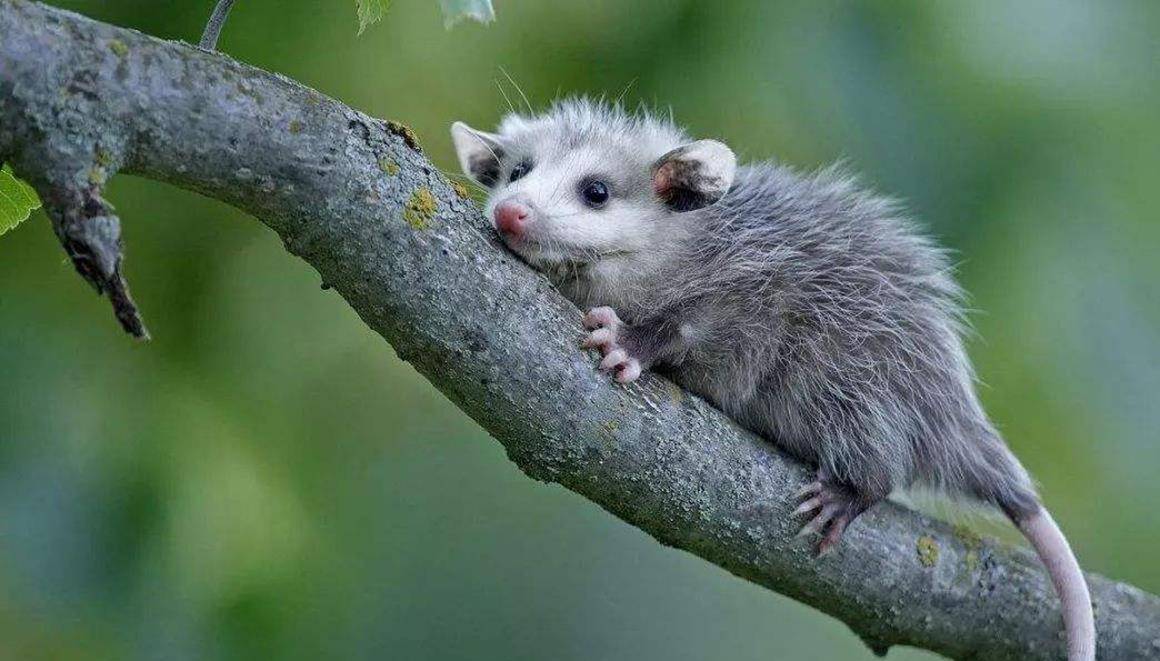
x: 694, y: 175
x: 479, y: 153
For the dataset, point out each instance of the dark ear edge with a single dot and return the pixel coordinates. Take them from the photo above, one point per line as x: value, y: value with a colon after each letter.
x: 695, y: 175
x: 479, y: 153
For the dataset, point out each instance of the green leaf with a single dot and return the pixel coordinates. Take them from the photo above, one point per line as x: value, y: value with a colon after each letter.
x: 17, y: 200
x: 457, y: 10
x: 370, y: 11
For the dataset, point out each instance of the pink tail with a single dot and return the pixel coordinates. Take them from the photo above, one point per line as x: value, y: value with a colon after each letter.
x: 1052, y: 547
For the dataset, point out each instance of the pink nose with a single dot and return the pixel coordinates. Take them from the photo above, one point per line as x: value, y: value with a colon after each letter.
x: 512, y: 218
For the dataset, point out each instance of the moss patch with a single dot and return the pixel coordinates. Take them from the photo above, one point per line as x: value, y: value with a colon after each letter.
x: 420, y: 209
x: 296, y: 126
x: 119, y: 48
x: 388, y: 166
x: 927, y: 550
x: 406, y: 133
x: 460, y: 190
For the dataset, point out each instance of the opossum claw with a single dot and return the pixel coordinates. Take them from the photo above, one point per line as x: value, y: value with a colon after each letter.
x: 836, y: 506
x: 602, y: 317
x: 808, y: 506
x: 626, y: 368
x: 810, y: 489
x: 601, y: 338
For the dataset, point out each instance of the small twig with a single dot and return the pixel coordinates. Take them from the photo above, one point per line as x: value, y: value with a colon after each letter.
x: 213, y: 28
x: 90, y: 232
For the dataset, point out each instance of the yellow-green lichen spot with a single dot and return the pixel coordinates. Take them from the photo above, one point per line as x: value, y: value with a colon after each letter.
x: 927, y: 550
x: 119, y: 48
x: 402, y: 130
x: 420, y: 209
x: 97, y: 176
x: 388, y: 166
x: 103, y: 157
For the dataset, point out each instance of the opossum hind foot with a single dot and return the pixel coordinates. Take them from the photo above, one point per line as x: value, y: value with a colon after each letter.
x: 833, y: 507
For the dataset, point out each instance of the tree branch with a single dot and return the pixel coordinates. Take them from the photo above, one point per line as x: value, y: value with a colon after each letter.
x: 355, y: 197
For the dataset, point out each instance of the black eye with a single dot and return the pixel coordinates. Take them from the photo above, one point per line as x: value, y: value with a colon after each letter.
x: 521, y: 168
x: 595, y: 193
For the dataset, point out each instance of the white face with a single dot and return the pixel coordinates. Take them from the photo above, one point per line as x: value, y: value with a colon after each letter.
x: 581, y: 206
x: 584, y: 183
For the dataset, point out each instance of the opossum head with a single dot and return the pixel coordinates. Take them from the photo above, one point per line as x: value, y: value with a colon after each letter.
x: 585, y: 182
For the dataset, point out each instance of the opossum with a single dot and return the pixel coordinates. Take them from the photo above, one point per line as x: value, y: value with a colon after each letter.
x: 811, y: 310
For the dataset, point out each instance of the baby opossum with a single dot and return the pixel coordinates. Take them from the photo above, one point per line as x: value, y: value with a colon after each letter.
x: 810, y: 310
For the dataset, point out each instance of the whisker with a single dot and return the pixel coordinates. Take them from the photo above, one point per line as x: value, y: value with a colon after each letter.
x: 521, y: 92
x: 499, y: 86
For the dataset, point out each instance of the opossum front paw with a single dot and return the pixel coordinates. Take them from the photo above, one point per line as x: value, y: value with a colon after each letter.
x: 625, y: 367
x: 604, y: 333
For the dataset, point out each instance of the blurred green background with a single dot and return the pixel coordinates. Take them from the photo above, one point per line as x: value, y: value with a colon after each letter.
x: 267, y: 480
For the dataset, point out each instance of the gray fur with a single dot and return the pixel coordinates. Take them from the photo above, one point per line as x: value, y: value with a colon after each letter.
x: 823, y: 321
x: 809, y: 309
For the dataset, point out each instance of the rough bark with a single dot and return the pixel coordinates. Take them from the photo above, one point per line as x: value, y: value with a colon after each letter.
x: 355, y: 197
